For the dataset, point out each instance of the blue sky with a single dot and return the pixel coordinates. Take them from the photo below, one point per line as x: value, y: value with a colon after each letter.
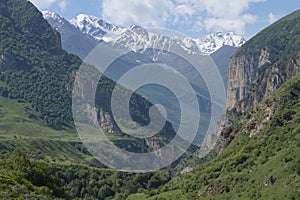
x: 194, y: 18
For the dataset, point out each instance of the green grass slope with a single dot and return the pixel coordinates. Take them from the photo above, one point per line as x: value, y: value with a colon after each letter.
x: 263, y: 166
x: 19, y: 120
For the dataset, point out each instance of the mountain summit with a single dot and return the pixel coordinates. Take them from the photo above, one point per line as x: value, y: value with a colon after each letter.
x: 94, y: 26
x: 136, y: 37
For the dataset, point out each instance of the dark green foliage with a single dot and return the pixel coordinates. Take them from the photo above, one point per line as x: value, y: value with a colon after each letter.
x: 264, y: 166
x: 35, y: 68
x: 78, y: 180
x: 90, y: 183
x: 33, y: 179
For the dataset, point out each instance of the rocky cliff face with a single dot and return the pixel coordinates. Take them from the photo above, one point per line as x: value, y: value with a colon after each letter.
x: 252, y: 79
x: 256, y: 70
x: 106, y: 122
x: 263, y: 64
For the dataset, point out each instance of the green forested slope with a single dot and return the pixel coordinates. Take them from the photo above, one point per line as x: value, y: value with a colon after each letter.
x: 21, y: 178
x: 263, y: 166
x: 36, y: 78
x: 33, y: 65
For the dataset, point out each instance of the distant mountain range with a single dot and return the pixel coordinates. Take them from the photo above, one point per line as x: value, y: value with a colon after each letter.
x: 133, y: 37
x: 79, y: 36
x: 83, y: 33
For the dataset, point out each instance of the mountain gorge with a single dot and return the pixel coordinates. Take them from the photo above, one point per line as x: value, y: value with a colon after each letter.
x: 260, y: 161
x: 220, y: 46
x: 37, y: 72
x: 41, y: 156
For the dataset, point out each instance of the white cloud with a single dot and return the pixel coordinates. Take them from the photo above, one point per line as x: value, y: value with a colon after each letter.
x: 237, y: 25
x: 44, y: 4
x: 62, y: 4
x: 226, y: 8
x: 272, y: 18
x: 230, y: 15
x: 145, y: 12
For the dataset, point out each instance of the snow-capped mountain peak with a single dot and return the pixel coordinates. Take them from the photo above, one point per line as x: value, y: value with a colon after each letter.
x: 49, y: 15
x: 212, y: 42
x: 94, y: 26
x: 137, y: 38
x: 73, y: 40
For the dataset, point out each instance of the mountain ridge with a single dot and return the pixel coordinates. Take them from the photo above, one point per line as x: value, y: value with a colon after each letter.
x: 94, y: 26
x: 140, y: 38
x: 206, y: 45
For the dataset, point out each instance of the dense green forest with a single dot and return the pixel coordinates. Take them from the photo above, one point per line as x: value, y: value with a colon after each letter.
x: 42, y: 79
x: 264, y: 166
x: 21, y: 178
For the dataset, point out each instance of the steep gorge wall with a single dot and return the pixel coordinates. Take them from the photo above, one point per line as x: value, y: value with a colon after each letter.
x: 263, y: 64
x: 256, y: 70
x: 252, y: 79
